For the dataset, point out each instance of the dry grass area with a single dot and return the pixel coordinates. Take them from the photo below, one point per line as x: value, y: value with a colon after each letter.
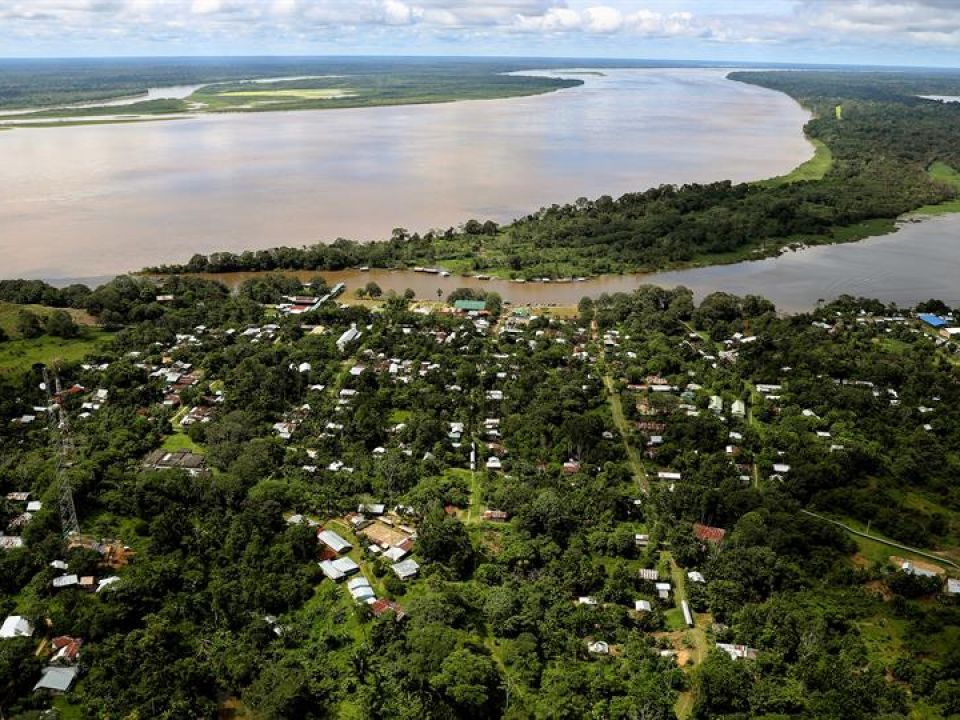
x: 382, y: 534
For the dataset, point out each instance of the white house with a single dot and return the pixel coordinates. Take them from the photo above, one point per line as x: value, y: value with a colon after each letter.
x: 16, y: 626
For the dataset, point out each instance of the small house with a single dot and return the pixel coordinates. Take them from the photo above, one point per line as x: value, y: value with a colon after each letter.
x: 16, y: 626
x: 56, y: 680
x: 406, y: 569
x: 705, y: 533
x: 338, y: 569
x: 738, y: 652
x: 361, y: 590
x: 334, y: 541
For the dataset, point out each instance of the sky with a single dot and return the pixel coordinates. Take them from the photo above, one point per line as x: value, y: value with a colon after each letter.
x: 878, y: 32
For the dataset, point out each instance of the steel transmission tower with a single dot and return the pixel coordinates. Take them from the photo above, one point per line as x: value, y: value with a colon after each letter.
x: 63, y: 443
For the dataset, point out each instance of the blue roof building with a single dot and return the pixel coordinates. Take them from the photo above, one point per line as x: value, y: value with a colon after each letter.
x: 934, y: 321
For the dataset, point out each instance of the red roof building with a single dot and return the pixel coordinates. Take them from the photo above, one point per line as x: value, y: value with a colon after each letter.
x: 381, y: 607
x: 66, y: 649
x: 705, y: 533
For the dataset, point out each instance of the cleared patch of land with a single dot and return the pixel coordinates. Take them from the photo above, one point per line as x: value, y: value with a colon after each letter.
x: 945, y: 174
x: 304, y: 93
x: 10, y: 311
x: 21, y: 354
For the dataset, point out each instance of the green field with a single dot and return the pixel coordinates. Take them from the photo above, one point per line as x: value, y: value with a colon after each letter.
x: 22, y: 354
x: 945, y: 174
x: 10, y: 311
x: 19, y: 353
x: 299, y: 93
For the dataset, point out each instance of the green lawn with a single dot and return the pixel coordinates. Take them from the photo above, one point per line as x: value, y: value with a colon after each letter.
x: 19, y: 355
x: 181, y: 441
x: 674, y: 619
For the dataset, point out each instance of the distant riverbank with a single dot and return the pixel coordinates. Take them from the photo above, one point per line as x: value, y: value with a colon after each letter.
x: 907, y: 267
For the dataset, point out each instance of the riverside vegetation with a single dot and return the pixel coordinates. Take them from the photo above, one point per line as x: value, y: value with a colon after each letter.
x: 253, y: 84
x: 645, y: 437
x: 887, y: 153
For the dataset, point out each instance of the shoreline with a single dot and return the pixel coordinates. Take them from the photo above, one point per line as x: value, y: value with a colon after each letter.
x: 41, y: 116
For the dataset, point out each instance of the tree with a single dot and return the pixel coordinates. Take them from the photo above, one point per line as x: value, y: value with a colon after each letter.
x: 585, y: 307
x: 373, y: 290
x: 443, y: 539
x: 60, y: 324
x: 471, y: 682
x: 493, y: 304
x: 28, y: 325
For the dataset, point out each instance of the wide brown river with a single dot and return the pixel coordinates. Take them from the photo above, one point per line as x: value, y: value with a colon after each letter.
x: 89, y: 201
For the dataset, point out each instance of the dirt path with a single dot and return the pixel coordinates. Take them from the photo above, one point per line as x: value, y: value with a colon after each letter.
x: 620, y: 420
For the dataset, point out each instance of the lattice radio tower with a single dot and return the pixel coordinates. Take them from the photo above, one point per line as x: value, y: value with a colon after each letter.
x: 63, y: 443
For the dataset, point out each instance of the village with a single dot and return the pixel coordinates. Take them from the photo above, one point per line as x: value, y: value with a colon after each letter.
x: 421, y: 446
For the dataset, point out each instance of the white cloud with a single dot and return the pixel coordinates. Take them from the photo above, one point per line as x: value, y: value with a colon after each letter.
x: 397, y: 13
x: 206, y: 7
x: 602, y: 19
x: 788, y: 23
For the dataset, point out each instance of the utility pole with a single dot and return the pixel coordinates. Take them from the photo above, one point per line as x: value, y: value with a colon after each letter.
x: 63, y: 443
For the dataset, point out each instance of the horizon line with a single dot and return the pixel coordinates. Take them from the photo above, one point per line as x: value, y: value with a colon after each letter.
x: 581, y: 58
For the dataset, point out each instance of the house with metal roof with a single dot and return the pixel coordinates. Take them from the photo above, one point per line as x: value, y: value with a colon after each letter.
x: 338, y: 569
x: 934, y: 321
x: 406, y: 569
x: 334, y: 541
x: 738, y: 652
x: 361, y: 590
x: 56, y: 680
x: 16, y: 626
x: 470, y: 305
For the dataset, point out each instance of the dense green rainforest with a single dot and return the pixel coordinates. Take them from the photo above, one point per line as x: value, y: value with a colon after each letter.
x: 885, y: 152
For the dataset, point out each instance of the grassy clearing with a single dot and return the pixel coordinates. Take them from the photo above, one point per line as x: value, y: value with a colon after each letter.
x: 10, y: 311
x: 180, y: 441
x: 943, y: 173
x: 19, y: 355
x: 674, y: 619
x: 879, y: 553
x: 296, y: 93
x: 619, y: 419
x: 813, y: 169
x: 883, y: 636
